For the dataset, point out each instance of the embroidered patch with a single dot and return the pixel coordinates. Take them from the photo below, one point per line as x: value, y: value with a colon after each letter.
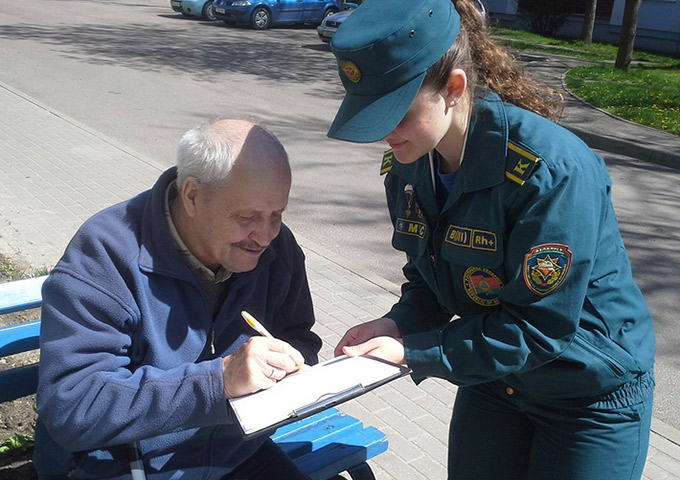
x: 482, y: 286
x: 388, y: 158
x: 351, y: 70
x: 520, y: 164
x: 546, y: 267
x: 471, y: 238
x: 410, y: 227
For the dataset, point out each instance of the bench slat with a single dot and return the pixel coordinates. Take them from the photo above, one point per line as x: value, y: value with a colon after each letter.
x: 20, y: 337
x: 341, y: 455
x: 21, y: 294
x: 18, y: 382
x: 318, y: 433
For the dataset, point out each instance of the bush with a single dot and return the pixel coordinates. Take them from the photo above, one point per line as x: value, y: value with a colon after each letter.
x: 544, y: 17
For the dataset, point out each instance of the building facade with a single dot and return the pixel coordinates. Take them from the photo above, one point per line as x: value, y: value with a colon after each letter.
x: 658, y: 22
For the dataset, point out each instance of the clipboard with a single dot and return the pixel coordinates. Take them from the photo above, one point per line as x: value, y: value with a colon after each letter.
x: 312, y: 390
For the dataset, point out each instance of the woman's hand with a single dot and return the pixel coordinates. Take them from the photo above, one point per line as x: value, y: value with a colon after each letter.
x: 387, y: 348
x: 380, y: 338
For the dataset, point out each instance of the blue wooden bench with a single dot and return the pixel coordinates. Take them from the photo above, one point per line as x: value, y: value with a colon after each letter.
x: 322, y: 445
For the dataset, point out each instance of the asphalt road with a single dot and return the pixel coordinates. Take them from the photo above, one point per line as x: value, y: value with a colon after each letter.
x: 142, y: 75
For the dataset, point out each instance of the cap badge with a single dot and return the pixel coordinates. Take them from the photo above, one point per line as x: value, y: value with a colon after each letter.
x: 351, y: 70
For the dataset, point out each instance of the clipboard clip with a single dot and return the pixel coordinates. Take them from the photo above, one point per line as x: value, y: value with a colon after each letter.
x: 329, y: 401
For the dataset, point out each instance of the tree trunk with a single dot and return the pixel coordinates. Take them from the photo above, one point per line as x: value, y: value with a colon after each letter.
x: 588, y: 22
x: 630, y: 13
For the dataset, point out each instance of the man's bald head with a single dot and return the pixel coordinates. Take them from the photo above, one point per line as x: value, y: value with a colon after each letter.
x: 209, y: 153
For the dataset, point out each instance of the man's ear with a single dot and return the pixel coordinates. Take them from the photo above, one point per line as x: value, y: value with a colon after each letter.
x: 455, y: 86
x: 189, y: 194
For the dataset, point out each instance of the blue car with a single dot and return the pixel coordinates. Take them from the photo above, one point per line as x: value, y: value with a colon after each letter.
x: 194, y: 8
x: 261, y: 14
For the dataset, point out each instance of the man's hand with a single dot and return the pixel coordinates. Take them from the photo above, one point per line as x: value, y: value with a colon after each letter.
x: 379, y: 338
x: 257, y: 365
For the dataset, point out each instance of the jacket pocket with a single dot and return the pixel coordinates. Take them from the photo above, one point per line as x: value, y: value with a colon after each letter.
x: 471, y: 246
x: 410, y: 236
x: 598, y: 355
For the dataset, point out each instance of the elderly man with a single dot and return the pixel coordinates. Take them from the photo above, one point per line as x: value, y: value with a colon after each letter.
x: 142, y: 339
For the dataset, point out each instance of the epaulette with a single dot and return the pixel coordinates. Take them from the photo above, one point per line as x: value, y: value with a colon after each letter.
x: 386, y: 165
x: 519, y: 164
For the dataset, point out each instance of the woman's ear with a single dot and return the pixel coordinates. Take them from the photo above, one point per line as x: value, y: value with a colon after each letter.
x: 455, y: 87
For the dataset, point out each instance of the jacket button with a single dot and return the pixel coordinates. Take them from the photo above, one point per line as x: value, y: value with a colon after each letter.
x: 509, y: 390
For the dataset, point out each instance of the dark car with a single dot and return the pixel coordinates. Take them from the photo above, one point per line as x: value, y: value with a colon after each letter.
x: 261, y: 14
x: 331, y: 23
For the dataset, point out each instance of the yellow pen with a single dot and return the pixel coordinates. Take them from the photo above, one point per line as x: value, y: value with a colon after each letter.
x: 259, y: 328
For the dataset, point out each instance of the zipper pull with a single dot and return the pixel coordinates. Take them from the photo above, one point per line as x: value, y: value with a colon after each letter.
x: 433, y: 262
x: 212, y: 341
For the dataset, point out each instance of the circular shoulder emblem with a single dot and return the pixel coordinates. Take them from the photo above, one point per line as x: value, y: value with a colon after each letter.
x: 482, y: 286
x: 545, y: 267
x: 351, y: 70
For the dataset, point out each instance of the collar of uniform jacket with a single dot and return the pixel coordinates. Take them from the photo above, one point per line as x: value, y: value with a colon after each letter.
x: 485, y: 150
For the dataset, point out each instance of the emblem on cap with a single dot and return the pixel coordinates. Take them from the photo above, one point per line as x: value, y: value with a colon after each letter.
x: 546, y: 267
x: 351, y: 70
x: 482, y: 286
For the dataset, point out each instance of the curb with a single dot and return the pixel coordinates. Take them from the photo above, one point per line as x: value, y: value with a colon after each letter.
x: 627, y: 148
x: 619, y: 145
x: 98, y: 135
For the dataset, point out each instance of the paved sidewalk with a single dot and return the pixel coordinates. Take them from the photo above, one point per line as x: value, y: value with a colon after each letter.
x: 55, y: 173
x: 599, y: 129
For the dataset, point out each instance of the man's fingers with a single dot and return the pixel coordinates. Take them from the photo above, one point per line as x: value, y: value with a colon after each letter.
x: 277, y: 353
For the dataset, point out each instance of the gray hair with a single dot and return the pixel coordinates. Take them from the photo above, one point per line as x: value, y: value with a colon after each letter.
x: 208, y: 152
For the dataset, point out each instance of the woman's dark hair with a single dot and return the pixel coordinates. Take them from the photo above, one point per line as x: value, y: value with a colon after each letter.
x: 488, y: 66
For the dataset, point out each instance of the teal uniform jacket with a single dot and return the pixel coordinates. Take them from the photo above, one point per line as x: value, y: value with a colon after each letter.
x: 522, y: 275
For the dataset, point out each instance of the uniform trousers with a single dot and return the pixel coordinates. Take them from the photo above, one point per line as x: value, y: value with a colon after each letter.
x: 497, y: 433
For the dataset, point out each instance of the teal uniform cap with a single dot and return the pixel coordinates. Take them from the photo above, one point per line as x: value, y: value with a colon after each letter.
x: 384, y: 49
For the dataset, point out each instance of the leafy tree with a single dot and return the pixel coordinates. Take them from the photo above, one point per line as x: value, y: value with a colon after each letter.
x: 544, y: 17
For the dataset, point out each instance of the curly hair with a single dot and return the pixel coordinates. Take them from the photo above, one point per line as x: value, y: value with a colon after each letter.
x: 488, y: 66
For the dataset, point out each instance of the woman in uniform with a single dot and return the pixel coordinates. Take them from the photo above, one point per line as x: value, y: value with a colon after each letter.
x: 518, y: 286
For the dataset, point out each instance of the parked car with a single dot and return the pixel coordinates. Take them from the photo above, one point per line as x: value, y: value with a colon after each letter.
x: 195, y: 8
x: 330, y: 24
x: 262, y: 14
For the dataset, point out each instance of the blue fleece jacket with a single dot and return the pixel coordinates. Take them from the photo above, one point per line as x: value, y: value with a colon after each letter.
x: 126, y: 347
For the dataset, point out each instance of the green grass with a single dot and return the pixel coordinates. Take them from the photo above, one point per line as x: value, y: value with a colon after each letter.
x: 17, y: 443
x: 648, y: 94
x: 10, y: 270
x: 598, y: 52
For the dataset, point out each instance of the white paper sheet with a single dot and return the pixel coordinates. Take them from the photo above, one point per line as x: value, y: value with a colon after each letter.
x: 298, y: 391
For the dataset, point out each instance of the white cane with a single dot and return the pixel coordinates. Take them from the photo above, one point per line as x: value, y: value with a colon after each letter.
x: 136, y: 465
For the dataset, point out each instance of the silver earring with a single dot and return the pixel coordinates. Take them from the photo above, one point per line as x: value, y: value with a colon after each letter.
x: 453, y: 103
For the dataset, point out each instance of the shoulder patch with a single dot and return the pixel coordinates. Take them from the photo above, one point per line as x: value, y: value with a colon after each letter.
x: 388, y: 158
x: 520, y: 163
x: 545, y: 267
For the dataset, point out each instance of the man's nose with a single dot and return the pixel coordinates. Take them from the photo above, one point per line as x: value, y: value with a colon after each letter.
x: 266, y: 229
